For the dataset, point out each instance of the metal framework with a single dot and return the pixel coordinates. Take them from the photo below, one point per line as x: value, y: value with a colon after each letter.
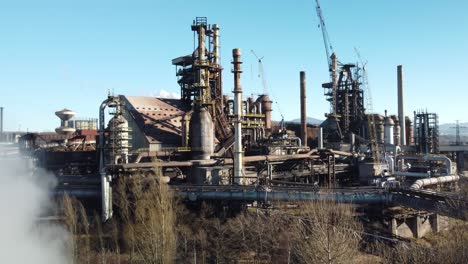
x: 426, y: 132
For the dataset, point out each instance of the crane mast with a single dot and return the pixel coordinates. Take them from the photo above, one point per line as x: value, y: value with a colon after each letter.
x: 332, y: 60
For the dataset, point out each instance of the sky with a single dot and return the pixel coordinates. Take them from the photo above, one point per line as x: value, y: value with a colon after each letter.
x: 57, y: 54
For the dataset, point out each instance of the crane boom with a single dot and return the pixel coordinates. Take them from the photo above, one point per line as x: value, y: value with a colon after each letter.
x: 326, y: 37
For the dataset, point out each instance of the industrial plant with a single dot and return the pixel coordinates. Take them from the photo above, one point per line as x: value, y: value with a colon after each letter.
x: 214, y: 145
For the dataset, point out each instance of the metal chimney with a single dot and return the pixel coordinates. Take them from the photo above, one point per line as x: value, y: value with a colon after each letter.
x: 401, y: 109
x: 303, y: 109
x: 215, y: 29
x: 238, y: 160
x: 1, y: 123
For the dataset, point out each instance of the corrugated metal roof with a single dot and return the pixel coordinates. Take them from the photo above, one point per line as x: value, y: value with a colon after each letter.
x: 158, y: 118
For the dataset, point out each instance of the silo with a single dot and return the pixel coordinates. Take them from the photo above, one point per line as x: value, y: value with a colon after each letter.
x: 388, y: 127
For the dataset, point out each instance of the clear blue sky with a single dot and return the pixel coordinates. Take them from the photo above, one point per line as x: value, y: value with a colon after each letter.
x: 56, y: 54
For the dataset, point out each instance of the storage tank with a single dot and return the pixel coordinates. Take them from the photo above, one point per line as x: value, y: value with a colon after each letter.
x: 388, y: 133
x: 201, y: 134
x: 65, y: 115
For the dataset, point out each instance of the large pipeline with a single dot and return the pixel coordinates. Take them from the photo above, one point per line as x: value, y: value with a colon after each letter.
x: 286, y: 195
x: 448, y: 164
x: 212, y: 162
x: 433, y: 181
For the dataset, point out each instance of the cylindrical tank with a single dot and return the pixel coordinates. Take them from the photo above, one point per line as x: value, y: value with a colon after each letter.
x: 388, y: 127
x: 118, y: 139
x: 396, y: 130
x: 266, y: 109
x: 201, y: 134
x: 409, y: 131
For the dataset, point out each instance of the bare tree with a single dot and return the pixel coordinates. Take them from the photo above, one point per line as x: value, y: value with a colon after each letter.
x: 147, y: 213
x: 328, y: 233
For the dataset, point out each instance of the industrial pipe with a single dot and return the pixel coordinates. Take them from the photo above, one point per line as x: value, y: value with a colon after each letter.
x: 106, y: 198
x: 448, y: 162
x: 320, y: 138
x: 238, y: 150
x: 303, y: 108
x: 433, y: 181
x: 259, y: 195
x: 401, y: 107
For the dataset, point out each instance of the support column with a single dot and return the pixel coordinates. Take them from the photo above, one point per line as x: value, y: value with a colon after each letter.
x: 435, y: 222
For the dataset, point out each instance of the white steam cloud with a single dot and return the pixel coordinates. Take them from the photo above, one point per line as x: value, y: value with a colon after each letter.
x: 23, y: 200
x: 166, y: 95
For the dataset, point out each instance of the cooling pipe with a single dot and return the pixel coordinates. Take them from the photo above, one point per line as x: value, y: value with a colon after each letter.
x: 238, y: 162
x: 433, y: 181
x: 303, y: 108
x: 401, y: 109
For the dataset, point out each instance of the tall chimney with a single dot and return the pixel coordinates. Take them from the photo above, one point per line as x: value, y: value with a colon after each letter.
x: 401, y: 107
x: 238, y: 161
x: 215, y: 29
x: 1, y: 123
x: 303, y: 109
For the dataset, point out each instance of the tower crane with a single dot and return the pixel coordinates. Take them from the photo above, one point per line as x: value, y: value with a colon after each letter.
x: 332, y: 60
x: 326, y: 38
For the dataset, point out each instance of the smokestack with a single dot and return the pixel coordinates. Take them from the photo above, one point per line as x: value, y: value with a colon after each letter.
x: 401, y: 109
x: 303, y: 109
x: 215, y: 29
x: 201, y: 44
x: 1, y: 123
x: 238, y: 161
